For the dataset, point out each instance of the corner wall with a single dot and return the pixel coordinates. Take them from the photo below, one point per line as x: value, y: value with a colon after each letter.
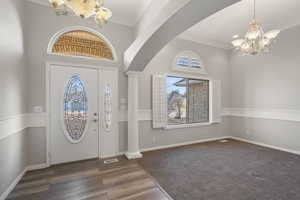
x: 13, y: 90
x: 265, y: 92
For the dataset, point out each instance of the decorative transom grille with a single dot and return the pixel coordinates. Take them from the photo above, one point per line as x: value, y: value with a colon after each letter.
x: 82, y: 44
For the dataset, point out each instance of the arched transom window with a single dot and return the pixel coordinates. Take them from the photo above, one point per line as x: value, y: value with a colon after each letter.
x: 82, y: 43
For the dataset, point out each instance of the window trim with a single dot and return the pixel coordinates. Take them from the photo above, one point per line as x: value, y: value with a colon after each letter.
x: 179, y: 126
x: 195, y: 124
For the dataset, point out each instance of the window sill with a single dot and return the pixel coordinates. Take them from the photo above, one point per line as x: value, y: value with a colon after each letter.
x: 168, y: 127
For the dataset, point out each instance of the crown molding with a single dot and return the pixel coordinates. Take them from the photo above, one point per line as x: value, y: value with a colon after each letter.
x: 204, y: 41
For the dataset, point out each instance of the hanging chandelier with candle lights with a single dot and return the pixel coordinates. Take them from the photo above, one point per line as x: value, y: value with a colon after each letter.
x: 255, y: 40
x: 83, y: 8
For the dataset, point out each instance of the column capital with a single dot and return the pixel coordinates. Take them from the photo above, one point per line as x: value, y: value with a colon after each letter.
x: 133, y: 73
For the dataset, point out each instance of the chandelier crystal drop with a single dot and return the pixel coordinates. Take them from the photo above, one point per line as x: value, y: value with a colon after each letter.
x: 83, y: 9
x: 255, y: 40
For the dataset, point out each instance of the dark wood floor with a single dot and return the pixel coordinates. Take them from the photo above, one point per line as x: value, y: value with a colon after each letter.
x: 90, y: 180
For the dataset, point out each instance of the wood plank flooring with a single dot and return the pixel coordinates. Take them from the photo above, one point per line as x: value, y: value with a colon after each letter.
x: 90, y: 180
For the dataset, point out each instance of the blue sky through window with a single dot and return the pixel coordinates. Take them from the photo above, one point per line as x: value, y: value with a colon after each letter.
x: 172, y: 87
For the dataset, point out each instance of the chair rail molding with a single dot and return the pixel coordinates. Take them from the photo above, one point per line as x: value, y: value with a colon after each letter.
x: 10, y: 125
x: 273, y: 114
x: 16, y: 123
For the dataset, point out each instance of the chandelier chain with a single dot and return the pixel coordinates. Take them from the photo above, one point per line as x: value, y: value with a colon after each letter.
x: 254, y: 9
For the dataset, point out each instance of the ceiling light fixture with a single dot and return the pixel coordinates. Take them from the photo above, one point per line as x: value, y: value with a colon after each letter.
x: 83, y: 9
x: 255, y: 40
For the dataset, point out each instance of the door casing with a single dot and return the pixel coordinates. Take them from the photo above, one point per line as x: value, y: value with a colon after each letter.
x: 114, y: 131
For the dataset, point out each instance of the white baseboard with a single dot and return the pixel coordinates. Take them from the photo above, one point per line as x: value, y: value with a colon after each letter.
x: 36, y: 167
x: 132, y: 156
x: 266, y: 145
x: 113, y: 155
x: 184, y: 144
x: 11, y: 187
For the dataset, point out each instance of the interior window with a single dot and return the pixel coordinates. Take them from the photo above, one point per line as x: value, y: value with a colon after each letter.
x: 188, y: 100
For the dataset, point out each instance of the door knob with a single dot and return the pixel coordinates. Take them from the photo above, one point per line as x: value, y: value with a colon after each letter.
x: 95, y: 120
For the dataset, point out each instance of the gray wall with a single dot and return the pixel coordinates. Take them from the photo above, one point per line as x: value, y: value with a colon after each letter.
x: 42, y: 24
x: 13, y: 156
x: 215, y: 59
x: 12, y: 59
x: 283, y: 134
x: 39, y: 32
x: 268, y: 81
x: 13, y: 90
x: 216, y: 62
x: 36, y: 141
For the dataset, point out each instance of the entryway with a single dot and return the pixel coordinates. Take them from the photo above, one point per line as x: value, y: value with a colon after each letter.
x: 82, y: 104
x: 74, y: 114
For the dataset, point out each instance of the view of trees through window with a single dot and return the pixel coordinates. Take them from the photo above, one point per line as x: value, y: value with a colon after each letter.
x: 188, y: 100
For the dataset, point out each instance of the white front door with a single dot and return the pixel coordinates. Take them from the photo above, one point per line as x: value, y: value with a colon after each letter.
x: 73, y: 114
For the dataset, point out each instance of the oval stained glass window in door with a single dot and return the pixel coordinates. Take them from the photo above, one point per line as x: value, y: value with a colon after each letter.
x: 75, y: 109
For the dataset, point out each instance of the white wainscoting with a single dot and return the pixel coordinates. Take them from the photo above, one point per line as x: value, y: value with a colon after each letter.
x: 274, y: 114
x: 14, y: 124
x: 144, y: 115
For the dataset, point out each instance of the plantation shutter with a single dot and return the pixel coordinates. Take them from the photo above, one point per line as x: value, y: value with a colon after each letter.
x: 159, y: 101
x: 216, y: 101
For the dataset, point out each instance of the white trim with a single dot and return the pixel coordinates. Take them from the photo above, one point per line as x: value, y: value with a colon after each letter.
x: 274, y: 114
x: 266, y: 145
x: 16, y: 123
x: 132, y: 156
x: 12, y: 186
x: 36, y: 120
x: 133, y: 150
x: 169, y: 127
x: 184, y: 143
x: 143, y: 115
x: 12, y: 124
x: 37, y: 167
x: 83, y: 28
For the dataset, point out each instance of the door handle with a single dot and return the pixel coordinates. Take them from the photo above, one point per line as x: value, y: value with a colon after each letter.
x: 95, y: 120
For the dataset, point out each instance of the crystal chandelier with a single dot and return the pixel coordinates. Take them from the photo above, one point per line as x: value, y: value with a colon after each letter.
x: 83, y: 9
x: 255, y: 40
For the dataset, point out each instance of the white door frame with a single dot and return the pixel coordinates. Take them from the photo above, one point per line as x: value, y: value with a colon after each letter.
x: 48, y: 101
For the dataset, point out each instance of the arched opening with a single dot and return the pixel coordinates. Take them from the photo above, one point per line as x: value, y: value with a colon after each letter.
x: 81, y: 42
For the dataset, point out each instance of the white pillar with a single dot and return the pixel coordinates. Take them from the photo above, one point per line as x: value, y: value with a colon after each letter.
x: 133, y: 129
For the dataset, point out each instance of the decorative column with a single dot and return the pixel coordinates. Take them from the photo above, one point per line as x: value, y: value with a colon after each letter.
x: 133, y: 128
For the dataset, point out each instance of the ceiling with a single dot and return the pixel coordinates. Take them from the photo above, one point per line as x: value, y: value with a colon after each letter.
x: 124, y: 12
x: 218, y: 29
